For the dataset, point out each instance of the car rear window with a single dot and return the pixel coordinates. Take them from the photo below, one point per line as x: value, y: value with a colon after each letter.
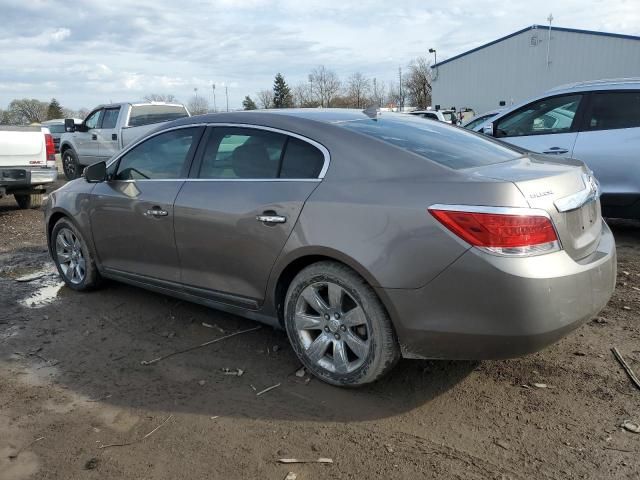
x: 147, y: 114
x: 56, y: 128
x: 447, y: 145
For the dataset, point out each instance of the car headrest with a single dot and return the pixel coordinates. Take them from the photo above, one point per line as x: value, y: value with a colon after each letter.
x: 252, y: 161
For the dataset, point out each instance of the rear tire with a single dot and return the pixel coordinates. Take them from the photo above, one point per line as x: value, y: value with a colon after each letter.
x: 70, y: 165
x: 72, y: 257
x: 338, y: 327
x: 28, y: 200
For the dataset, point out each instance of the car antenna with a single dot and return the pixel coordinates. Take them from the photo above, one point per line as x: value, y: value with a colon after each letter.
x: 372, y: 112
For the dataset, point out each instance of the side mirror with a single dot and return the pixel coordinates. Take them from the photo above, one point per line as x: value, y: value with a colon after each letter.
x: 96, y: 172
x: 69, y: 125
x: 488, y: 129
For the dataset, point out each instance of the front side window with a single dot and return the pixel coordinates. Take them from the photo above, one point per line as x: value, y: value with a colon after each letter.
x: 93, y: 120
x: 160, y: 157
x: 110, y: 117
x: 544, y: 117
x: 613, y: 110
x: 242, y: 153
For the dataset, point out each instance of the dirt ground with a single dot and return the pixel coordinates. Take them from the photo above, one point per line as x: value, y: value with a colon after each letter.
x: 71, y: 382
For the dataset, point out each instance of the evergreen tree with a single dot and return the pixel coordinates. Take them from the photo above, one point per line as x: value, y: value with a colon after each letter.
x: 248, y: 103
x: 55, y: 110
x: 281, y: 93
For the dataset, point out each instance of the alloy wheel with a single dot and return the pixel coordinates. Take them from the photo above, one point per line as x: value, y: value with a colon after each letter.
x: 332, y: 328
x: 70, y: 257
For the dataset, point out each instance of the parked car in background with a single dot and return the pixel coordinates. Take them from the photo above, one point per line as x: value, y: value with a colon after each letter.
x: 447, y: 116
x: 27, y: 163
x: 109, y: 128
x: 56, y: 128
x: 476, y: 122
x: 597, y: 122
x: 367, y: 236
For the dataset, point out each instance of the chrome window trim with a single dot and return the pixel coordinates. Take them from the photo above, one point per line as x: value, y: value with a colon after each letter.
x: 319, y: 146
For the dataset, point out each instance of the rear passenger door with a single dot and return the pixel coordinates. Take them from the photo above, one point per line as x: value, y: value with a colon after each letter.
x: 549, y: 125
x: 609, y: 143
x: 239, y: 206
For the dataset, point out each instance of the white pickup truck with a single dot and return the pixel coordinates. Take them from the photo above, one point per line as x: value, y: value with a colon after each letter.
x: 27, y: 163
x: 108, y: 129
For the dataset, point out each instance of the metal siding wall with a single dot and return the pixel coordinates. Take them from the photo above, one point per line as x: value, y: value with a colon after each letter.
x: 513, y: 71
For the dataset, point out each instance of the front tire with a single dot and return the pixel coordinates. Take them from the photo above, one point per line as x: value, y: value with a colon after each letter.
x: 26, y: 200
x: 338, y: 327
x: 72, y: 257
x: 70, y: 165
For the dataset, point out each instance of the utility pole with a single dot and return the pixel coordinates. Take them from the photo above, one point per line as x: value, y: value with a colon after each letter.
x: 213, y: 86
x: 550, y: 19
x: 226, y: 92
x: 195, y: 92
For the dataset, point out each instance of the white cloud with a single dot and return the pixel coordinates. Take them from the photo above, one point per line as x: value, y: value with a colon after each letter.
x: 99, y: 51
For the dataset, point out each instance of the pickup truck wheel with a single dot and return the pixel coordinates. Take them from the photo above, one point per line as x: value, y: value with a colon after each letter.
x: 72, y: 257
x: 25, y: 201
x: 70, y: 164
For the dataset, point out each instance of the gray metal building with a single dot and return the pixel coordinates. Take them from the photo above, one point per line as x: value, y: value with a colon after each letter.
x: 529, y: 62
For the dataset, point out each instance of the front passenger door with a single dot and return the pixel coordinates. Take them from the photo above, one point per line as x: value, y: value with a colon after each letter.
x: 132, y: 214
x: 544, y: 126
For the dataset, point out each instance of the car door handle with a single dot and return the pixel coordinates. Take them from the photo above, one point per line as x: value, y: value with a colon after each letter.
x: 94, y: 136
x: 114, y: 136
x: 156, y: 212
x: 271, y: 218
x: 556, y: 151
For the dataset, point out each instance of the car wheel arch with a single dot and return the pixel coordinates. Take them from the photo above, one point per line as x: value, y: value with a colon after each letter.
x: 289, y: 269
x: 56, y: 216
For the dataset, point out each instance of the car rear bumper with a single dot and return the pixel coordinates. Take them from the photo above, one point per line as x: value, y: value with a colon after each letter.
x: 17, y: 178
x: 490, y: 307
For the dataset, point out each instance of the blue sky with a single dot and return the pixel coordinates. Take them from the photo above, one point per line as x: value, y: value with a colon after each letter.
x: 90, y: 52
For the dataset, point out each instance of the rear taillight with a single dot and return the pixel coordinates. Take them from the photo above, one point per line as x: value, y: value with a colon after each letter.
x: 51, y: 150
x: 501, y: 231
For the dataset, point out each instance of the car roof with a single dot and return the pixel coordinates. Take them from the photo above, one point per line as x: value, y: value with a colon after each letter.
x: 602, y: 84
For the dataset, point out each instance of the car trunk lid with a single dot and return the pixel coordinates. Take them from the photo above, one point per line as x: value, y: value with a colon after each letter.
x: 565, y: 189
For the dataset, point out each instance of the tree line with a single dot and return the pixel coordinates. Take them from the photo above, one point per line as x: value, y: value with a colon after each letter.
x: 24, y: 111
x: 325, y: 88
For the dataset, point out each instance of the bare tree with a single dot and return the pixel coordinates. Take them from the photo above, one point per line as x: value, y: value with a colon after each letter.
x: 379, y: 92
x: 326, y: 85
x: 358, y: 90
x: 28, y: 110
x: 82, y: 113
x: 417, y: 82
x: 198, y: 105
x: 397, y: 95
x: 265, y: 97
x: 160, y: 97
x: 303, y: 96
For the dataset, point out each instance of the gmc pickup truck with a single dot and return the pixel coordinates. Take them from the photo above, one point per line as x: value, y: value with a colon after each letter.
x: 108, y: 129
x: 27, y: 163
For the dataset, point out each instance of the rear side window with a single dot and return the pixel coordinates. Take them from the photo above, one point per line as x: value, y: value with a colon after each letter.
x: 161, y: 157
x: 242, y: 153
x: 301, y: 160
x: 436, y: 141
x: 147, y: 114
x: 110, y: 117
x: 614, y: 110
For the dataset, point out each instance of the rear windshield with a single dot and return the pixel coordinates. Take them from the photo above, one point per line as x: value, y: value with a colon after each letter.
x: 146, y: 114
x: 56, y: 128
x: 447, y: 145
